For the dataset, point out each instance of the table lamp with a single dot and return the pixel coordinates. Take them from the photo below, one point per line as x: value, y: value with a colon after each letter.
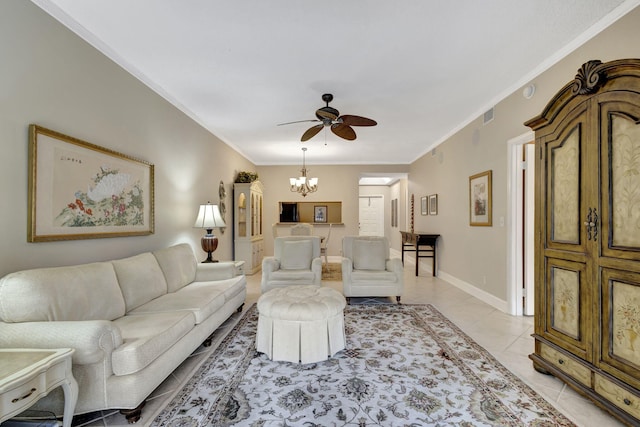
x: 209, y: 218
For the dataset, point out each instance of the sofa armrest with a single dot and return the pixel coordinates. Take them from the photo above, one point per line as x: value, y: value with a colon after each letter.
x: 395, y: 265
x: 208, y: 272
x: 94, y: 340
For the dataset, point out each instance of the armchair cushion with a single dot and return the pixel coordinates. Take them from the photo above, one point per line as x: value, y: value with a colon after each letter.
x: 369, y: 254
x: 296, y: 255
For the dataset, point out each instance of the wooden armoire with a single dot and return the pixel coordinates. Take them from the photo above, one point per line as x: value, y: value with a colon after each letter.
x: 587, y: 315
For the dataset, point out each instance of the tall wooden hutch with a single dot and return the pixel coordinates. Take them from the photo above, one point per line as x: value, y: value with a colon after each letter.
x: 247, y: 225
x: 587, y: 315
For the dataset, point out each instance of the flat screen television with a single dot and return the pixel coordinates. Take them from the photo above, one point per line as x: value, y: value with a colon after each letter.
x: 288, y: 212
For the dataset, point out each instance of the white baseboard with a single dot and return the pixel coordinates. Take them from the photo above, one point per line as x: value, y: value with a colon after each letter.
x: 472, y: 290
x: 482, y: 295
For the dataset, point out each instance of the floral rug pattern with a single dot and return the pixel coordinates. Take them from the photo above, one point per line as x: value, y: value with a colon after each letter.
x: 405, y: 365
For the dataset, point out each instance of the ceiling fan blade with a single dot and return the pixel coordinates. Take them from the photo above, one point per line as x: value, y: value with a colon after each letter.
x: 357, y: 121
x: 343, y: 131
x: 311, y: 132
x: 327, y: 113
x: 299, y: 121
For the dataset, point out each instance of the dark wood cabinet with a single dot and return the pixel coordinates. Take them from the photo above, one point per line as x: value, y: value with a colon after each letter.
x: 587, y: 315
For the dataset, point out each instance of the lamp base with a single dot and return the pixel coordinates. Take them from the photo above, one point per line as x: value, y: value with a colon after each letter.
x: 209, y: 244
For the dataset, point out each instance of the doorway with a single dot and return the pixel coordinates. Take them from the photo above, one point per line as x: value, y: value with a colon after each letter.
x: 371, y: 215
x: 520, y: 232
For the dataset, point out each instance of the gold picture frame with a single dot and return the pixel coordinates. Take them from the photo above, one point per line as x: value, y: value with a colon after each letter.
x: 320, y: 213
x: 433, y: 204
x: 424, y: 205
x: 78, y: 190
x: 480, y: 202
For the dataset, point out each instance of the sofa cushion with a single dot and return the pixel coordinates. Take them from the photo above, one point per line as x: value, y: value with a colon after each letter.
x: 369, y: 254
x: 296, y: 255
x: 201, y: 300
x: 81, y: 292
x: 145, y: 337
x: 178, y: 264
x: 140, y: 279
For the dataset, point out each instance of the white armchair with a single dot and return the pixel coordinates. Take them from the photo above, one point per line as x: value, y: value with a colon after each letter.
x: 295, y: 261
x: 368, y: 270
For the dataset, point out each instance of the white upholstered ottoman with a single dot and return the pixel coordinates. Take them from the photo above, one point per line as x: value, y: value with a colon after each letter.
x: 301, y: 323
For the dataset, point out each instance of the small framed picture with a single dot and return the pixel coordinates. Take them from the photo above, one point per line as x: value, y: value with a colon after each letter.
x: 433, y: 204
x: 423, y: 205
x: 320, y: 214
x: 480, y: 199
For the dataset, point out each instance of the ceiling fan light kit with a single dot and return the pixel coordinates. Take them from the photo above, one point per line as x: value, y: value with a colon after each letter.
x: 330, y: 117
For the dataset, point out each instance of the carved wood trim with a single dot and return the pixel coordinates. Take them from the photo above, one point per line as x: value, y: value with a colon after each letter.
x: 589, y: 79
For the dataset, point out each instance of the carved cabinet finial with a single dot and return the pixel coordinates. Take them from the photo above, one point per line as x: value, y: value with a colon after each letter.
x: 589, y: 78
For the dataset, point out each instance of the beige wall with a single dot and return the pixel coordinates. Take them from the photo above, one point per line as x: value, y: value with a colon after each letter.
x: 475, y: 257
x: 51, y: 77
x: 336, y: 183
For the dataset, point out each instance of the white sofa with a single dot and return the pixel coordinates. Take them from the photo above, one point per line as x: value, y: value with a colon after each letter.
x: 131, y: 321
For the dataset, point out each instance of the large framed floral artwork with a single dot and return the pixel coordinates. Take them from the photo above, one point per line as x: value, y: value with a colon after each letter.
x: 78, y: 190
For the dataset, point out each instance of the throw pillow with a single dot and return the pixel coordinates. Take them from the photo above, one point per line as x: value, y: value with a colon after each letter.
x: 369, y: 254
x: 296, y: 255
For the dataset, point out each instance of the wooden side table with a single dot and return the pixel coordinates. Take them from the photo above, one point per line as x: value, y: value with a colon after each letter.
x: 417, y: 241
x: 26, y: 375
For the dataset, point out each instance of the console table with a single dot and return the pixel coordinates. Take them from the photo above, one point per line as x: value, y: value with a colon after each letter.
x: 416, y: 242
x: 26, y: 375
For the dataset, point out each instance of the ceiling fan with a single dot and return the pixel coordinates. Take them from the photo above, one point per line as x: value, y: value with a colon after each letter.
x: 330, y: 117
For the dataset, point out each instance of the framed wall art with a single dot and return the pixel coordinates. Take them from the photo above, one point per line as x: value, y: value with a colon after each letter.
x: 433, y: 204
x: 394, y: 213
x: 320, y: 214
x: 78, y: 190
x: 424, y: 205
x: 480, y: 199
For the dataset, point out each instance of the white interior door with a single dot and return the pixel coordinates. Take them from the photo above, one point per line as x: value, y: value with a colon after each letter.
x: 371, y: 216
x: 529, y: 231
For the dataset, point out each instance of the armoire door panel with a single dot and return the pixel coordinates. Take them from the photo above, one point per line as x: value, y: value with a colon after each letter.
x: 564, y: 177
x: 620, y: 318
x: 620, y: 162
x: 565, y: 189
x: 568, y: 303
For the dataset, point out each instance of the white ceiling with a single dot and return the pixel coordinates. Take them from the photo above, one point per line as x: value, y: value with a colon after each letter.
x: 421, y: 68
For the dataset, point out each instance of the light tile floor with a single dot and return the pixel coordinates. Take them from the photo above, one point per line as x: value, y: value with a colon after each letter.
x: 506, y: 337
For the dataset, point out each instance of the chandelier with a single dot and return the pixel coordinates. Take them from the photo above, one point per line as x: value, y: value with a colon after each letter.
x: 302, y: 184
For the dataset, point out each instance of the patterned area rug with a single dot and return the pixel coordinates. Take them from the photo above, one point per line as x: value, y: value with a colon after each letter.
x: 405, y: 365
x: 332, y: 272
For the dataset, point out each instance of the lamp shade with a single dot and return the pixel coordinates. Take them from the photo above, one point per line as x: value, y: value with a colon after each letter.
x: 209, y: 217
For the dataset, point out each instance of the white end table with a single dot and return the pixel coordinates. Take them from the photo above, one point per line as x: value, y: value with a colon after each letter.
x: 26, y: 375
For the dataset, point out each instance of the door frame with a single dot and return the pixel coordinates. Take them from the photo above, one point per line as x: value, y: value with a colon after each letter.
x: 515, y: 266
